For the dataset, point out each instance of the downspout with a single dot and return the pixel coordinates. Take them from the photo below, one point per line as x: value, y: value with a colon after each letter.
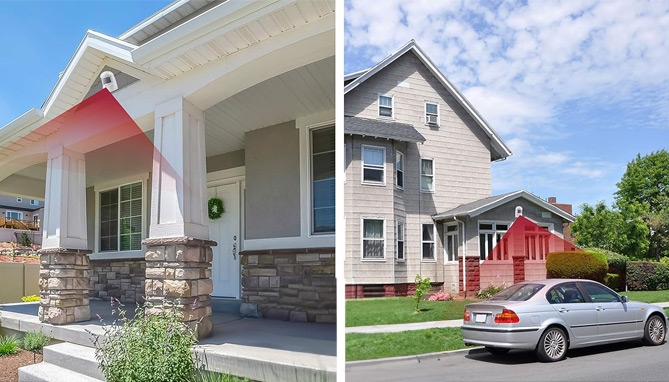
x: 464, y: 255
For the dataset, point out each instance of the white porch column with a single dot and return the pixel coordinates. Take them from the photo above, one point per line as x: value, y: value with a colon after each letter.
x: 178, y: 268
x: 64, y: 274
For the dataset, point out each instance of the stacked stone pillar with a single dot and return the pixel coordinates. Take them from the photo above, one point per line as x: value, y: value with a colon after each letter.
x: 178, y: 275
x: 63, y: 283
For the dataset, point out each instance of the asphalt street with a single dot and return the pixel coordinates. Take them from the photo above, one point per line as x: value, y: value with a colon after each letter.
x: 616, y: 362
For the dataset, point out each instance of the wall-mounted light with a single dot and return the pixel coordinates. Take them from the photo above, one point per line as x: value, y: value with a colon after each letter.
x: 108, y: 81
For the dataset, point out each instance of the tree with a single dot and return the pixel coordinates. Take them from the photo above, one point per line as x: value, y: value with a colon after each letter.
x: 643, y: 192
x: 602, y: 227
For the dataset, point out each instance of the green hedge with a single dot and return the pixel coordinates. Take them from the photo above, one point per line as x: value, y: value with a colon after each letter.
x: 647, y: 275
x: 617, y: 264
x: 576, y: 264
x: 612, y: 280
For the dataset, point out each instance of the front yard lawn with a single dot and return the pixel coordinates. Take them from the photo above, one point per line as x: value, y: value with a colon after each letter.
x: 361, y: 346
x: 647, y: 296
x: 398, y: 310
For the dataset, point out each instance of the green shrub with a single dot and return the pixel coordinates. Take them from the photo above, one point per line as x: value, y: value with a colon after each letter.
x: 612, y: 280
x: 9, y: 345
x: 489, y: 291
x: 647, y: 275
x: 148, y: 347
x: 577, y: 265
x: 31, y: 298
x: 25, y: 240
x: 599, y: 255
x: 422, y: 287
x: 35, y: 341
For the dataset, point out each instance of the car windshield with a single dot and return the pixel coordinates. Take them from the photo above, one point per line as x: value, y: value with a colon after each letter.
x: 518, y: 292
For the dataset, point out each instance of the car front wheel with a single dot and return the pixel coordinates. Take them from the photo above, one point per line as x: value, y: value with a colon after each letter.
x: 655, y: 331
x: 552, y: 345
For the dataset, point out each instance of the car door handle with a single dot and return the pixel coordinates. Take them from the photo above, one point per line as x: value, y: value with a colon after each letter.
x: 599, y: 308
x: 563, y: 310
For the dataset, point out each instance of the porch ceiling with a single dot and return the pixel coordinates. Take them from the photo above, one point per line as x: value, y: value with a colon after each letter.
x: 304, y: 91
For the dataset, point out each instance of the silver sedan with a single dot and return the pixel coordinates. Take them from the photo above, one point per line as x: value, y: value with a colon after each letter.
x: 551, y: 316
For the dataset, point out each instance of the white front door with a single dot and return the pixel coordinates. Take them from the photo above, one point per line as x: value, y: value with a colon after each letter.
x: 225, y: 231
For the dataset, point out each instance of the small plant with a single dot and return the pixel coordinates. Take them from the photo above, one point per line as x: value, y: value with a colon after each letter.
x: 148, y: 347
x: 31, y: 298
x: 210, y: 376
x: 25, y: 240
x: 440, y: 296
x: 422, y: 287
x: 9, y: 345
x: 35, y: 341
x: 489, y: 291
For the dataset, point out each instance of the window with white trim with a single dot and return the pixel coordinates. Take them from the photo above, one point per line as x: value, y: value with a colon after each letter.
x: 323, y: 180
x: 14, y: 215
x: 373, y: 239
x: 385, y: 106
x: 490, y: 234
x: 427, y: 175
x: 33, y: 202
x: 373, y: 164
x: 121, y: 218
x: 451, y: 242
x: 428, y: 241
x: 432, y: 113
x: 400, y: 245
x: 399, y: 169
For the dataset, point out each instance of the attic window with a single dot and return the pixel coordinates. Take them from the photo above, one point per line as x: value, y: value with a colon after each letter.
x: 385, y: 106
x: 432, y: 113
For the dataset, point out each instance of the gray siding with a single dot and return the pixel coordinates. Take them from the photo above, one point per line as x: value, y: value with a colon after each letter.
x: 272, y: 163
x: 225, y: 161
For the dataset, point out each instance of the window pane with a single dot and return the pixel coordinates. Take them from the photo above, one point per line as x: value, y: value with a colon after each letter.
x: 373, y: 175
x: 400, y: 250
x: 431, y: 108
x: 372, y: 229
x: 428, y: 232
x: 400, y: 162
x: 125, y: 209
x: 482, y: 247
x: 426, y: 183
x: 428, y: 250
x: 485, y: 226
x: 323, y: 180
x: 451, y: 228
x: 373, y: 249
x: 323, y: 140
x: 324, y: 165
x: 426, y: 167
x: 385, y: 101
x: 125, y: 243
x: 324, y: 219
x: 373, y: 156
x: 386, y: 112
x: 400, y: 231
x: 324, y: 193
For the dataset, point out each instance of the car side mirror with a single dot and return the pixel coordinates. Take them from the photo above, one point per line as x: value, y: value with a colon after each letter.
x: 624, y: 299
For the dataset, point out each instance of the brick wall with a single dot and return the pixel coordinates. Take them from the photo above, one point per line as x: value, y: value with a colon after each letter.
x: 123, y: 279
x: 295, y: 285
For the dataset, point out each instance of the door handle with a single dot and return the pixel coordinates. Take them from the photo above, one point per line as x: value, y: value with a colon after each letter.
x: 563, y: 310
x: 234, y: 247
x: 599, y: 308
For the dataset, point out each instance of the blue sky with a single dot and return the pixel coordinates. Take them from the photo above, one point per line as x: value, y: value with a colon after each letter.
x: 576, y: 88
x: 39, y: 38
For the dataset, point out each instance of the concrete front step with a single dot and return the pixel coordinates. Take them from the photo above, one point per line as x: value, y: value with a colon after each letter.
x: 48, y: 372
x: 75, y: 357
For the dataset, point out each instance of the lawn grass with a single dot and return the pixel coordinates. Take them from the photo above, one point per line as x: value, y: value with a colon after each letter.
x: 361, y: 346
x: 397, y: 310
x: 647, y: 296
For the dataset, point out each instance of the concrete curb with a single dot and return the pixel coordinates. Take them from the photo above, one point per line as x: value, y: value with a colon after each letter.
x: 417, y: 357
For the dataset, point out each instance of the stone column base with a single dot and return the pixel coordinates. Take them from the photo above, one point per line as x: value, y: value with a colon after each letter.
x: 64, y: 278
x: 178, y: 273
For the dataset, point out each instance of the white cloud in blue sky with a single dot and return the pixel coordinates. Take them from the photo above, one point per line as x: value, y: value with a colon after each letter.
x: 576, y: 88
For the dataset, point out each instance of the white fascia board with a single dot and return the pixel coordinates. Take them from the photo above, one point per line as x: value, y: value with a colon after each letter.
x: 93, y: 40
x: 202, y: 28
x: 153, y: 18
x: 382, y: 64
x: 24, y: 121
x: 527, y: 196
x: 354, y: 75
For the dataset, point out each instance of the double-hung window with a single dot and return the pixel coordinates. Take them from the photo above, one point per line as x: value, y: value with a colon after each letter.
x: 121, y: 218
x: 451, y: 242
x: 373, y: 164
x: 490, y: 234
x: 399, y: 169
x: 373, y: 239
x: 428, y: 241
x: 400, y: 240
x: 426, y: 175
x: 385, y: 106
x: 323, y: 180
x: 14, y: 215
x: 432, y: 113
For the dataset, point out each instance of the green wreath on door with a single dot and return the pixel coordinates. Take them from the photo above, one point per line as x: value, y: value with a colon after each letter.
x: 215, y: 208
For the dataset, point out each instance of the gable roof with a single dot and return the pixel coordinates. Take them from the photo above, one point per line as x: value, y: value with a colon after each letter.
x: 486, y: 204
x: 381, y: 129
x: 499, y: 150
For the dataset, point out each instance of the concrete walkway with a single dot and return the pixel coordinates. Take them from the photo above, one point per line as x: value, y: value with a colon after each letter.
x: 424, y: 325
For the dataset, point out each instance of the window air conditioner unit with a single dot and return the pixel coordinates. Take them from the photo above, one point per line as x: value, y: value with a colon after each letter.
x: 431, y: 119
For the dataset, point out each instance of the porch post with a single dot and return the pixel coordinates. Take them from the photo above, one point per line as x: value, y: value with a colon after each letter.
x: 64, y: 273
x: 178, y: 257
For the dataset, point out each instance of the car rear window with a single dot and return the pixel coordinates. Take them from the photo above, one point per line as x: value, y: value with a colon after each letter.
x: 518, y: 292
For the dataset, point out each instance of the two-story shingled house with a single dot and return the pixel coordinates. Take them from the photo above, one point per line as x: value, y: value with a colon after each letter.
x: 418, y: 180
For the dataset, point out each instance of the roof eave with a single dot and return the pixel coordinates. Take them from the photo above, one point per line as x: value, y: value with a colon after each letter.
x: 23, y: 121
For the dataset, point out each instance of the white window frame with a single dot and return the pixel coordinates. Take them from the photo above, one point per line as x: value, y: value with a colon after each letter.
x: 399, y: 159
x: 372, y: 167
x: 456, y: 241
x: 145, y: 216
x: 19, y: 213
x: 423, y: 242
x: 362, y: 238
x: 311, y: 182
x: 420, y: 172
x: 19, y: 199
x: 34, y: 202
x: 400, y: 232
x: 392, y: 105
x: 426, y: 113
x: 496, y: 233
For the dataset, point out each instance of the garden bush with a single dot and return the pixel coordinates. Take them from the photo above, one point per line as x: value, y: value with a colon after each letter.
x: 422, y: 287
x: 440, y: 296
x: 35, y: 341
x: 612, y: 280
x: 647, y: 275
x: 148, y: 347
x: 489, y: 291
x: 9, y: 345
x: 577, y: 265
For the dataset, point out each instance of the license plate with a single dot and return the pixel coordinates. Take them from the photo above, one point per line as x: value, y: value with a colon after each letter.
x: 480, y: 317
